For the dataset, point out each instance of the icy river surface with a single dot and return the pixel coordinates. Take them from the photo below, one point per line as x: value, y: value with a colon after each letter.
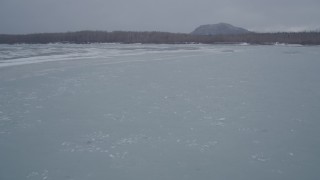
x: 159, y: 112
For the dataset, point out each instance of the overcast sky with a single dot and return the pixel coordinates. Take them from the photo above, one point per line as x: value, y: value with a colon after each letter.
x: 31, y: 16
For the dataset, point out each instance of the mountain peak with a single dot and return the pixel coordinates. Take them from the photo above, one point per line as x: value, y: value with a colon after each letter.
x: 218, y: 29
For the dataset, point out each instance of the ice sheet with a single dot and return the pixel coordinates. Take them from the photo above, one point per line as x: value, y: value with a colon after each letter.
x: 115, y: 111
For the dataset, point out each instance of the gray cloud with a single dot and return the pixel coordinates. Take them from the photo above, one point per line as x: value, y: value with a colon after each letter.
x: 29, y: 16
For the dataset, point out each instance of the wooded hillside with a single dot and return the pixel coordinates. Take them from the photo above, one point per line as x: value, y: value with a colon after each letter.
x: 304, y: 38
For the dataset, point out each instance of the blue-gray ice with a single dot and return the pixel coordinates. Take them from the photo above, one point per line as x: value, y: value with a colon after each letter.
x: 159, y: 112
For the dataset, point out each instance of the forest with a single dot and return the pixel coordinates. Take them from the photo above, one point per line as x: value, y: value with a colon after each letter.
x: 82, y: 37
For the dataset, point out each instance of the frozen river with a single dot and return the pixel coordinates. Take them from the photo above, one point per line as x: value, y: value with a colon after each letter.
x: 159, y: 112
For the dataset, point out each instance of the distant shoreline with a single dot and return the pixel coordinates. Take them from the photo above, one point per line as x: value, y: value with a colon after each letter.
x: 154, y: 37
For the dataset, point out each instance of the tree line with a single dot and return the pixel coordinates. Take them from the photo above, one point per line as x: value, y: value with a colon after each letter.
x: 81, y: 37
